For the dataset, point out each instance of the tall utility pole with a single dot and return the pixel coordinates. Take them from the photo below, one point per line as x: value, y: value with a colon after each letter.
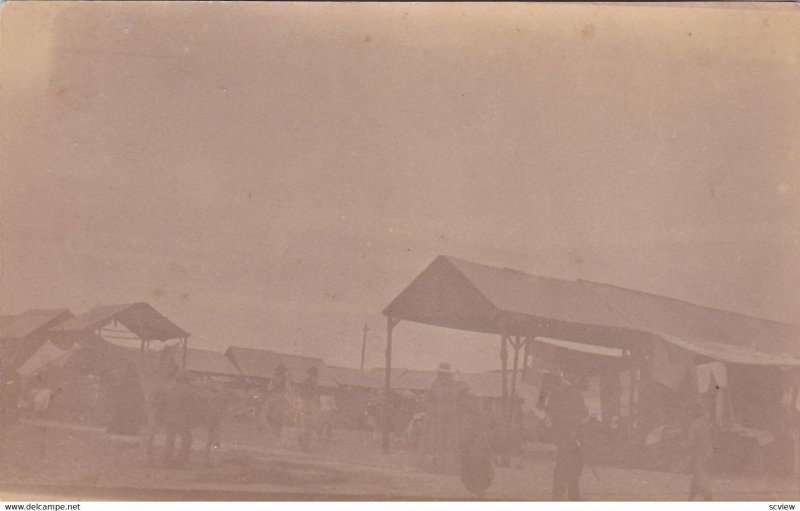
x: 364, y: 346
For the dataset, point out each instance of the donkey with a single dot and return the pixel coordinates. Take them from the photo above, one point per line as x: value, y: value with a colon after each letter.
x: 178, y: 407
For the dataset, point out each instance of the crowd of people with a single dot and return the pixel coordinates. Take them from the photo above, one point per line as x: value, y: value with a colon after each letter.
x: 451, y: 431
x: 458, y: 437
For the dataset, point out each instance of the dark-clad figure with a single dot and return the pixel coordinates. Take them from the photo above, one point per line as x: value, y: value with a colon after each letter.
x: 567, y: 410
x: 477, y: 454
x: 702, y: 451
x: 310, y: 396
x: 277, y: 406
x: 128, y: 412
x: 279, y: 380
x: 440, y: 437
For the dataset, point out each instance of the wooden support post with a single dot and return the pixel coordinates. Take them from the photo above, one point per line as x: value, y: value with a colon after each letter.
x: 185, y: 342
x: 364, y: 347
x: 516, y: 343
x: 390, y: 324
x: 526, y: 355
x: 504, y: 369
x: 632, y: 395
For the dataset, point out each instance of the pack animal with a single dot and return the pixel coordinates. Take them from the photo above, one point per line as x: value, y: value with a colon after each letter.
x: 179, y: 407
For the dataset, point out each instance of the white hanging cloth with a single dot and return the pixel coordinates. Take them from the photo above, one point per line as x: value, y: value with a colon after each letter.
x: 712, y: 371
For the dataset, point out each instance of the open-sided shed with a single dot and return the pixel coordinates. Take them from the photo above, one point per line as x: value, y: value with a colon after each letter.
x: 126, y: 322
x: 522, y: 309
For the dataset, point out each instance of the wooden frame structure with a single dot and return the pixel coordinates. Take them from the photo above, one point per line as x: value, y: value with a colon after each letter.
x: 140, y: 319
x: 519, y: 307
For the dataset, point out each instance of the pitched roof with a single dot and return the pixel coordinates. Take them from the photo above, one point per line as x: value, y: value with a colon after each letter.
x: 258, y: 363
x: 675, y: 318
x: 348, y: 376
x: 403, y: 379
x: 140, y: 318
x: 522, y: 293
x: 253, y: 363
x: 209, y: 362
x: 459, y: 294
x: 31, y: 322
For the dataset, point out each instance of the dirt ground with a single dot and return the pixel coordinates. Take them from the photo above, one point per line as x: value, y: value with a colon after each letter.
x: 84, y: 461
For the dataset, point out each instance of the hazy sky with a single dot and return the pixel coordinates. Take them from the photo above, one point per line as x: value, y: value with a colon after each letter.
x: 274, y: 175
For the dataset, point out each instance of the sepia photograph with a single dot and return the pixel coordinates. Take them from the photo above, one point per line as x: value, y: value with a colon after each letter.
x: 443, y: 252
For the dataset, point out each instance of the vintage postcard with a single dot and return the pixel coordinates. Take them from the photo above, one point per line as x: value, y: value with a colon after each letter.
x: 399, y: 251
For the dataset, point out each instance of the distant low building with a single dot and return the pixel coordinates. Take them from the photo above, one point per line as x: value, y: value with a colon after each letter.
x: 258, y: 365
x: 211, y: 365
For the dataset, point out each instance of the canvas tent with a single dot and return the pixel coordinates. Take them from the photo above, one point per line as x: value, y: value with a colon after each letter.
x: 520, y: 308
x: 48, y: 355
x: 22, y: 334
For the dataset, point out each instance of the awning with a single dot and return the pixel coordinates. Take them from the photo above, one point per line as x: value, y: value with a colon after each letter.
x: 581, y: 347
x: 732, y: 354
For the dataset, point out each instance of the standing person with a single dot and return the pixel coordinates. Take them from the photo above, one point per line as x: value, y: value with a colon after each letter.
x: 310, y: 396
x: 439, y: 445
x: 702, y: 450
x: 279, y: 380
x: 567, y: 410
x: 277, y: 404
x: 129, y: 414
x: 477, y: 455
x: 374, y: 416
